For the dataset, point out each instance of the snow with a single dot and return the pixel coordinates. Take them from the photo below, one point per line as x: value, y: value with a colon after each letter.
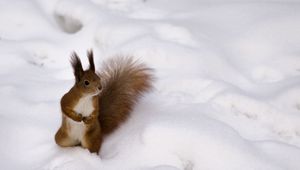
x: 226, y: 97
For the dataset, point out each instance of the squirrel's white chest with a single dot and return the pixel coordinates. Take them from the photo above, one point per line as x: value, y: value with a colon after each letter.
x: 84, y: 106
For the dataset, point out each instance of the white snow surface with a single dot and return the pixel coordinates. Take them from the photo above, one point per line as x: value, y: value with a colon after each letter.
x: 227, y: 89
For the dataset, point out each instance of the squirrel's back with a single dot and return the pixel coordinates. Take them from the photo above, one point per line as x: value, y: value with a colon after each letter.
x: 124, y: 82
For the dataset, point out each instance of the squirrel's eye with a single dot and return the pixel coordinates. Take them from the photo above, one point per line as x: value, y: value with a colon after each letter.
x: 86, y: 82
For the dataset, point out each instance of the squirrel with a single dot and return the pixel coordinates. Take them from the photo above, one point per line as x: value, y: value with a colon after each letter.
x: 98, y: 103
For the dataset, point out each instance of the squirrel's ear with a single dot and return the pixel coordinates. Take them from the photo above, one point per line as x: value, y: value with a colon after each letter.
x: 90, y: 56
x: 77, y: 66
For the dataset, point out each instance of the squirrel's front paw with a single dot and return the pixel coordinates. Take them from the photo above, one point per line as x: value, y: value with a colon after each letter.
x: 78, y: 118
x: 88, y: 119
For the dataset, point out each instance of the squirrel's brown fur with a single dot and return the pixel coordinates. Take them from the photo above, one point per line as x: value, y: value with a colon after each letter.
x: 88, y: 115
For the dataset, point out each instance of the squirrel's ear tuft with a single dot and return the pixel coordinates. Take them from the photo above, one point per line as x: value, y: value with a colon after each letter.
x: 90, y: 56
x: 77, y: 66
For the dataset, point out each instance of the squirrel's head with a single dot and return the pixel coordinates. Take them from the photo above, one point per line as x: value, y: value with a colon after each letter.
x: 86, y: 81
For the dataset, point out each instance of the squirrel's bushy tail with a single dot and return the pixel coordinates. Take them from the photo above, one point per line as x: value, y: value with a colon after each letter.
x: 124, y: 82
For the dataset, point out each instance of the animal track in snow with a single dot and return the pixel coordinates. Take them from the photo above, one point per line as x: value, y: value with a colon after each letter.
x: 68, y: 24
x: 282, y: 127
x: 72, y: 16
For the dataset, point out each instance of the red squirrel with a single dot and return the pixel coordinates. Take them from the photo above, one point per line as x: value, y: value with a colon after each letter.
x: 98, y: 103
